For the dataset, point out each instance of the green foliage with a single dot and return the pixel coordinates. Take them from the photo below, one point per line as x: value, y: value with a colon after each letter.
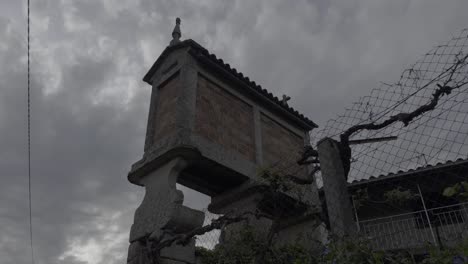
x: 250, y: 248
x: 207, y: 256
x: 240, y: 251
x: 360, y: 196
x: 274, y: 180
x: 399, y: 197
x: 348, y: 251
x: 458, y: 191
x: 358, y: 250
x: 247, y: 247
x: 448, y: 255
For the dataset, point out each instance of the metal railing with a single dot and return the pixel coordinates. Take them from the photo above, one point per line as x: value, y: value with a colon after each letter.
x: 413, y: 230
x: 402, y: 231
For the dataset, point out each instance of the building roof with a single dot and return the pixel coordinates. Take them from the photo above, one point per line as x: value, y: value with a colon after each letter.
x: 203, y: 55
x: 417, y: 171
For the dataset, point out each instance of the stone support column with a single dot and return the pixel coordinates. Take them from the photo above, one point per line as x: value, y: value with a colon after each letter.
x: 300, y: 227
x: 335, y: 186
x: 237, y: 202
x: 162, y: 215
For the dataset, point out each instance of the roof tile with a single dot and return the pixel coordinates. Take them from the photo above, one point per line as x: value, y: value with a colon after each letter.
x: 458, y: 161
x: 204, y: 52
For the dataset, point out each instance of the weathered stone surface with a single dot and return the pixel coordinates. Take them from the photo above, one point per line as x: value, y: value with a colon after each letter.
x: 169, y: 75
x: 160, y: 201
x: 135, y: 250
x: 186, y: 254
x: 281, y: 148
x: 205, y: 116
x: 171, y: 261
x: 185, y: 219
x: 310, y: 234
x: 224, y: 119
x: 166, y: 102
x: 307, y: 231
x: 340, y: 210
x: 137, y: 254
x: 161, y: 214
x: 135, y: 261
x: 244, y: 203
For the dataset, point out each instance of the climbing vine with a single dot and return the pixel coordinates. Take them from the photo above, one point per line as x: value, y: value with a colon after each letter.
x: 458, y: 191
x: 245, y: 248
x: 399, y: 196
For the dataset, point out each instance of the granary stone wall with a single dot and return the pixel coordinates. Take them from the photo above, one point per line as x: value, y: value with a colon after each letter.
x: 281, y: 148
x: 166, y: 100
x: 224, y: 119
x: 209, y: 128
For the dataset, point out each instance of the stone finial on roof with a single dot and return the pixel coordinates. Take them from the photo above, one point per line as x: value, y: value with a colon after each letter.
x: 176, y: 34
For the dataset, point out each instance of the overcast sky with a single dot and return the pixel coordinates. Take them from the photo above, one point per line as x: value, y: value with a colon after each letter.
x: 90, y: 106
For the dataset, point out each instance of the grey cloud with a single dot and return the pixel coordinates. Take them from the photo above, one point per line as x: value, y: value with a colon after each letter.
x: 325, y: 54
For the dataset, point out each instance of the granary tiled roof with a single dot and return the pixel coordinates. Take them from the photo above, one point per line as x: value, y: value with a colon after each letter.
x: 203, y: 54
x: 418, y: 170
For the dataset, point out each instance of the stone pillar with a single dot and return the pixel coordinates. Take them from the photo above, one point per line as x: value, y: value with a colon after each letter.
x: 301, y: 226
x: 236, y: 202
x: 335, y: 186
x: 162, y: 215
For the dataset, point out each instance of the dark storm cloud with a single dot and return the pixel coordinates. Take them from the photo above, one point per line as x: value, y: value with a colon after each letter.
x: 90, y: 107
x: 74, y: 151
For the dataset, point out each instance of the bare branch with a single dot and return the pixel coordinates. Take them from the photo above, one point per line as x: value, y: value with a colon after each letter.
x: 306, y: 154
x: 301, y: 181
x: 184, y: 239
x: 406, y: 118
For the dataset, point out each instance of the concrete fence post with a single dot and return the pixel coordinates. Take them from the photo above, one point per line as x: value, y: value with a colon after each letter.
x: 335, y: 186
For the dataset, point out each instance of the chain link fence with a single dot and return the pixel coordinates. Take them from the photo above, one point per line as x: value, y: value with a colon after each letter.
x: 408, y: 169
x: 210, y: 239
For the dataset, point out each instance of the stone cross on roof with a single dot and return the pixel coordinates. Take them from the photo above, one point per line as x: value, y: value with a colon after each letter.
x: 176, y: 34
x: 285, y: 99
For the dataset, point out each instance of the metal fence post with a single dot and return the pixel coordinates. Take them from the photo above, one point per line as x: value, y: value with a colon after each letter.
x: 427, y: 216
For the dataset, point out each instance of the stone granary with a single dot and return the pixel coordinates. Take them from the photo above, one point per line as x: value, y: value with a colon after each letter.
x: 210, y: 129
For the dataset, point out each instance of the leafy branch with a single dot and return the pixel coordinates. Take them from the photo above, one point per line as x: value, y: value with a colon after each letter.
x: 458, y: 190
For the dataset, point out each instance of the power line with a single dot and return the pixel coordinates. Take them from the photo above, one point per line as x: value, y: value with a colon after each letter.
x: 29, y: 143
